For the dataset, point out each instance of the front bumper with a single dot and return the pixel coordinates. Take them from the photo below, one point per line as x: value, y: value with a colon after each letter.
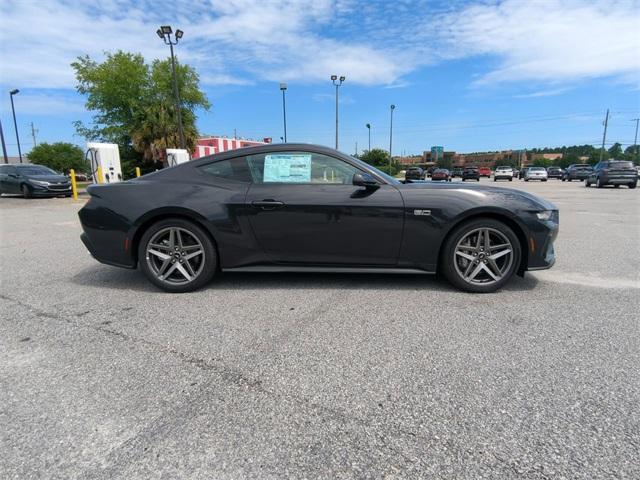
x: 51, y: 190
x: 541, y: 252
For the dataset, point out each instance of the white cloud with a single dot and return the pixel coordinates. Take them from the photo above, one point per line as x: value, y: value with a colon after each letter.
x: 238, y: 42
x: 550, y: 40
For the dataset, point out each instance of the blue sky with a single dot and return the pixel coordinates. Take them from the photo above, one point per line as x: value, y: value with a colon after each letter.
x: 469, y: 75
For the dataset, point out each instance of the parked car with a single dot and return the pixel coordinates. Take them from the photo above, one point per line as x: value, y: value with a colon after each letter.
x: 523, y: 172
x: 503, y: 173
x: 516, y: 172
x: 638, y: 170
x: 536, y: 173
x: 414, y: 173
x: 554, y: 172
x: 441, y: 174
x: 279, y: 207
x: 33, y: 180
x: 484, y: 172
x: 471, y: 173
x: 613, y: 172
x: 577, y: 171
x: 457, y: 172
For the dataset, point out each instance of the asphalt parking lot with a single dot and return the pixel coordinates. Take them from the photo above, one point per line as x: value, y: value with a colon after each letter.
x: 322, y: 376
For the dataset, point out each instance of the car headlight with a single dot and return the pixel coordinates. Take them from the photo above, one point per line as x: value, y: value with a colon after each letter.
x: 544, y: 215
x: 40, y: 182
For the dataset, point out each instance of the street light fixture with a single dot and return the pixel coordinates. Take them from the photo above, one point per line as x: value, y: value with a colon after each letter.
x: 337, y: 82
x: 393, y: 107
x: 283, y: 87
x: 164, y: 32
x: 15, y: 124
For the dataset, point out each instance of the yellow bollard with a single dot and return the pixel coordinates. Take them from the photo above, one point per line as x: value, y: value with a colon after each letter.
x: 74, y: 187
x: 99, y: 175
x: 137, y: 171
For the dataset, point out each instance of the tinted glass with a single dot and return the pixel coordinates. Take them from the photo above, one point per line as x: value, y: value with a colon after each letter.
x: 36, y: 170
x: 621, y: 164
x: 300, y: 168
x: 235, y: 169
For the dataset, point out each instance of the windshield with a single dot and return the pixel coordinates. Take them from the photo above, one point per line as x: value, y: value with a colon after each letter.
x: 36, y: 170
x: 380, y: 173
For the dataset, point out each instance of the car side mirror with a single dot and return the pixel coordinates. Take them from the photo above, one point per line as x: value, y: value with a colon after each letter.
x: 364, y: 180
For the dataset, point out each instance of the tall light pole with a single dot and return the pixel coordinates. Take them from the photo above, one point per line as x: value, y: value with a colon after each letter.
x: 4, y: 147
x: 337, y: 82
x: 393, y: 107
x: 604, y: 135
x: 283, y: 87
x: 369, y: 128
x: 164, y: 32
x: 15, y: 124
x: 635, y: 140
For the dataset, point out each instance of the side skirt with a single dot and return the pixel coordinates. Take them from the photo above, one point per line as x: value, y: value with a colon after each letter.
x: 284, y: 268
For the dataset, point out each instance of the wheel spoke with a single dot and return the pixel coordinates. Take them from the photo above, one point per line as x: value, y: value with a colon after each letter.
x: 487, y: 269
x: 499, y: 254
x: 162, y: 256
x: 189, y: 268
x: 164, y: 266
x: 168, y: 272
x: 502, y: 245
x: 172, y: 238
x: 186, y: 248
x: 467, y: 247
x: 475, y: 273
x: 178, y: 238
x: 465, y: 255
x: 479, y: 240
x: 181, y: 269
x: 487, y: 240
x: 193, y: 254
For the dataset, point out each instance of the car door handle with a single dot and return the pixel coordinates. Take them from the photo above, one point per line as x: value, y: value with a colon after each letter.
x: 268, y: 204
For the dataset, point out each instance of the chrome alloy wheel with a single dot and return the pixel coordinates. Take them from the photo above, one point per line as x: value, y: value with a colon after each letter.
x: 175, y: 255
x: 483, y: 256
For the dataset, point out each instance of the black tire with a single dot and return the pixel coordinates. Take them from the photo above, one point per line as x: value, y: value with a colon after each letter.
x: 617, y: 185
x: 26, y: 191
x: 544, y: 179
x: 511, y: 179
x: 448, y: 256
x: 586, y: 183
x: 478, y: 179
x: 206, y: 270
x: 526, y: 179
x: 599, y: 183
x: 633, y: 185
x: 463, y: 179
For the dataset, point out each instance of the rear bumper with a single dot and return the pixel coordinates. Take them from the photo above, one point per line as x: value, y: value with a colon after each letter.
x: 620, y: 180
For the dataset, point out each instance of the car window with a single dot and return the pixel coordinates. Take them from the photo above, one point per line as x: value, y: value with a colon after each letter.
x: 300, y: 168
x: 36, y: 170
x: 235, y: 169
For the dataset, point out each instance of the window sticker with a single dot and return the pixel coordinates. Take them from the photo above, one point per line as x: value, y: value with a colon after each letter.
x: 287, y: 168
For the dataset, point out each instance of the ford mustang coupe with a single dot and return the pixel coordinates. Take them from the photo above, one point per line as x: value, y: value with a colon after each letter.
x: 297, y: 207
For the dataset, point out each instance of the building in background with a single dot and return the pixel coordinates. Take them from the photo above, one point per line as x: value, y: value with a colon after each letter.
x: 211, y: 145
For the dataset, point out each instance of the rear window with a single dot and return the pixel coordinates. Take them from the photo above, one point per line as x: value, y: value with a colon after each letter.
x: 234, y: 169
x: 621, y: 164
x: 537, y: 169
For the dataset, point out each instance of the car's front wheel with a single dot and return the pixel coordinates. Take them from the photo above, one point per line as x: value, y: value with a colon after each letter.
x: 599, y: 183
x: 26, y: 191
x: 177, y: 255
x: 481, y: 256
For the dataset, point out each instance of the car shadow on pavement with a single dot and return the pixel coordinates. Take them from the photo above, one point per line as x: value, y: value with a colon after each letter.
x: 123, y: 279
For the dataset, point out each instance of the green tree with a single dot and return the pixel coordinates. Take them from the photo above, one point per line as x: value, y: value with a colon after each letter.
x: 59, y: 156
x: 615, y: 151
x: 135, y: 103
x: 379, y: 158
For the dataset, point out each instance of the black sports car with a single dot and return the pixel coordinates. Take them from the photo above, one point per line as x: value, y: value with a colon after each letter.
x: 296, y: 207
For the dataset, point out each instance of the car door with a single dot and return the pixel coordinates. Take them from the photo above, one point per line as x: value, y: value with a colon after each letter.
x: 306, y: 210
x: 11, y: 181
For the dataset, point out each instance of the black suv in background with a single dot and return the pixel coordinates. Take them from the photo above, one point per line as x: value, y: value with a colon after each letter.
x: 414, y: 173
x: 471, y: 173
x: 33, y: 180
x: 554, y: 172
x: 613, y: 172
x: 577, y: 171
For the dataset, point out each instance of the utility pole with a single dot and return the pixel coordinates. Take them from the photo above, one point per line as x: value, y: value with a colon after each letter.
x: 15, y: 123
x: 604, y: 135
x: 33, y: 135
x: 635, y: 140
x: 369, y: 128
x: 283, y: 87
x: 4, y: 147
x: 164, y: 32
x: 356, y: 149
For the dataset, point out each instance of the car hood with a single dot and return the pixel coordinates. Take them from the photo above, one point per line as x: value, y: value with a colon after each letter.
x: 49, y: 178
x: 480, y: 195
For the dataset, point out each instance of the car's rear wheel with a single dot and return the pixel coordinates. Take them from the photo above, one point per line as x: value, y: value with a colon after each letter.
x: 177, y: 255
x: 633, y: 185
x: 586, y: 182
x: 481, y: 256
x: 26, y: 191
x: 599, y: 183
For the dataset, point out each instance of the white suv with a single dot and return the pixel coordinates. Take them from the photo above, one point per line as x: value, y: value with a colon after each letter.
x: 536, y: 173
x: 503, y: 173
